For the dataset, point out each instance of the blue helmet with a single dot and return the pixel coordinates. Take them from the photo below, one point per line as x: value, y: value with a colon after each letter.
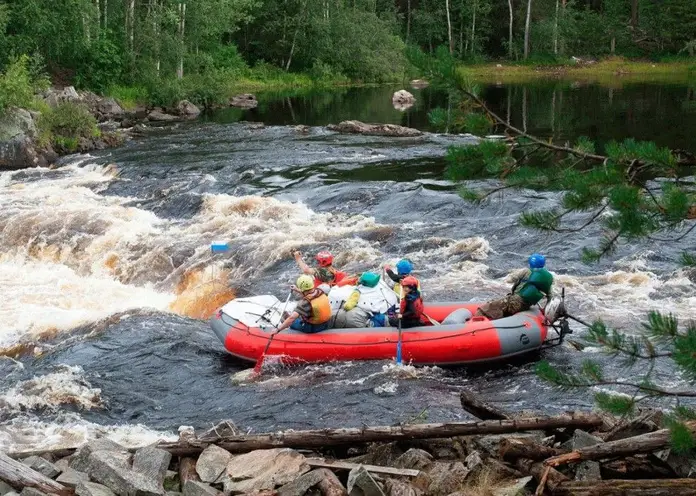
x: 404, y: 267
x: 537, y: 261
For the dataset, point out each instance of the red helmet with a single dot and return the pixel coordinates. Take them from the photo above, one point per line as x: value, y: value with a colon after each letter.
x: 410, y: 281
x: 324, y: 258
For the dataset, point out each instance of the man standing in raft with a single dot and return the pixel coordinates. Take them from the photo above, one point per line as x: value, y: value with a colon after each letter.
x: 528, y: 290
x: 313, y: 311
x: 325, y: 273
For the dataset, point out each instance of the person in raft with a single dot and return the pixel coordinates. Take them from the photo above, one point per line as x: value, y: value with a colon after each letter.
x: 325, y: 272
x: 411, y: 306
x: 404, y: 268
x: 313, y: 312
x: 528, y: 289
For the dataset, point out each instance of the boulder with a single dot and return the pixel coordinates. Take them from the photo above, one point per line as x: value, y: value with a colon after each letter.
x: 212, y: 463
x: 245, y: 101
x: 5, y: 488
x: 394, y: 487
x: 446, y: 478
x: 361, y: 483
x: 17, y: 122
x: 414, y: 458
x: 302, y: 484
x: 55, y: 96
x: 30, y: 491
x: 491, y: 444
x: 263, y: 469
x: 152, y: 463
x: 72, y: 477
x: 581, y: 439
x: 588, y: 471
x: 79, y: 461
x: 107, y: 468
x: 402, y: 100
x: 17, y: 133
x: 473, y: 460
x: 357, y: 127
x: 187, y: 109
x: 514, y: 488
x: 195, y: 488
x: 159, y: 116
x: 109, y: 109
x: 92, y: 489
x: 42, y: 466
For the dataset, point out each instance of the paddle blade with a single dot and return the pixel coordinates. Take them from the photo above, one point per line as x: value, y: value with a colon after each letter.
x: 259, y: 365
x: 219, y: 247
x: 398, y: 353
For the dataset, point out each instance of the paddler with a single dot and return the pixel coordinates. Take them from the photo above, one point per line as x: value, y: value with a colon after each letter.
x: 325, y: 272
x: 313, y: 312
x: 404, y: 267
x: 528, y: 289
x: 411, y: 312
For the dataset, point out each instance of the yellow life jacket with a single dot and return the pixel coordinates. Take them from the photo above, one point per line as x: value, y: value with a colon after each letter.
x: 321, y: 307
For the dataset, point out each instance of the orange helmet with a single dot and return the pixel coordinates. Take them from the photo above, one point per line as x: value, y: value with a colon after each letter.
x: 410, y: 281
x: 324, y: 258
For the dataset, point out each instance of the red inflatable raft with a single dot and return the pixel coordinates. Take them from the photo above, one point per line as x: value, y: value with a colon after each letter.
x: 244, y: 327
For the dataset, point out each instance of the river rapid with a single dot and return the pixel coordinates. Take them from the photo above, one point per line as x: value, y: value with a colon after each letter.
x: 106, y: 275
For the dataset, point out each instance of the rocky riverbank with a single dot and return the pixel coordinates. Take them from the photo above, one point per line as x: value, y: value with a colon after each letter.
x: 572, y: 454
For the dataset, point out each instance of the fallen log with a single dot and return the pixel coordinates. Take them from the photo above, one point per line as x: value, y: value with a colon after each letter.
x: 514, y: 448
x: 642, y: 487
x: 479, y: 409
x: 319, y: 438
x: 645, y: 443
x: 634, y: 467
x: 376, y: 469
x: 20, y: 476
x: 330, y: 485
x: 553, y: 478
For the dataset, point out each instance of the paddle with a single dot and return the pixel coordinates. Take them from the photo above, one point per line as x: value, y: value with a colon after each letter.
x: 259, y: 362
x: 398, y: 339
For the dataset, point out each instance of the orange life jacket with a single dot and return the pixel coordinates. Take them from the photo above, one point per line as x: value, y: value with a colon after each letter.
x: 321, y: 307
x: 338, y: 276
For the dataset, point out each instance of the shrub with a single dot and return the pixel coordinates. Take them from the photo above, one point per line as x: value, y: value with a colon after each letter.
x: 67, y: 122
x: 19, y: 83
x: 128, y: 96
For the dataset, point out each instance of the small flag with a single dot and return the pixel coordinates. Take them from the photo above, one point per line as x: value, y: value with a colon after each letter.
x: 219, y: 247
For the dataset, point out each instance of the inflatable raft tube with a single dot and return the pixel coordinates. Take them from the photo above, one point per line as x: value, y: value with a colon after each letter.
x: 244, y: 326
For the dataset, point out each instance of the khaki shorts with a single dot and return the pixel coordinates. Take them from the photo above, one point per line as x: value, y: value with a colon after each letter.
x: 504, y: 307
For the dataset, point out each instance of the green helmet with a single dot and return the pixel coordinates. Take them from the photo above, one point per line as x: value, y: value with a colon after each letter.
x: 369, y: 279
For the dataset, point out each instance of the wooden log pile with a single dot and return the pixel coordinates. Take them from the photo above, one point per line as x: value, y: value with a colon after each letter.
x: 497, y: 453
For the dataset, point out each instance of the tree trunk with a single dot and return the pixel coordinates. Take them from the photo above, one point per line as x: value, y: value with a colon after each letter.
x: 634, y: 13
x: 131, y: 25
x: 479, y: 409
x: 555, y: 31
x: 524, y: 107
x: 106, y: 14
x: 19, y: 476
x: 645, y: 443
x: 473, y: 26
x: 510, y: 26
x: 527, y: 25
x: 613, y: 45
x: 182, y: 45
x: 335, y: 437
x: 408, y: 20
x: 645, y: 487
x: 449, y: 27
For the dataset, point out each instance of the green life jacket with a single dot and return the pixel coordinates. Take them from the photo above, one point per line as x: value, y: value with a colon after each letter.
x: 534, y: 286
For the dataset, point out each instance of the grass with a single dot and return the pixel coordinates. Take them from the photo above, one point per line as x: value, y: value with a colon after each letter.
x: 614, y: 71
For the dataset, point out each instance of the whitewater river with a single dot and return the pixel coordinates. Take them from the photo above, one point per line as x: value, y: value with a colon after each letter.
x: 106, y: 273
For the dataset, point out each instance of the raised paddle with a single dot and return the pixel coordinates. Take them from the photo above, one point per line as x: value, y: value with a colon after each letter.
x: 259, y: 362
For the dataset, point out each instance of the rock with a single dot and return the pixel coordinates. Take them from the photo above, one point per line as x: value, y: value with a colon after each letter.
x: 394, y: 487
x: 361, y: 483
x: 42, y: 466
x: 72, y: 477
x: 357, y: 127
x: 92, y: 489
x: 110, y: 109
x: 512, y: 489
x: 55, y: 96
x: 402, y: 100
x: 414, y: 458
x: 581, y: 439
x: 195, y: 488
x: 491, y: 444
x: 187, y: 109
x: 245, y: 101
x: 212, y: 463
x: 446, y: 478
x: 419, y: 84
x: 302, y: 129
x: 683, y: 466
x: 17, y: 133
x: 152, y: 463
x: 159, y: 116
x: 588, y: 471
x: 378, y: 453
x: 263, y: 469
x: 80, y: 460
x: 17, y: 122
x: 30, y: 491
x: 5, y: 488
x: 302, y: 484
x: 107, y: 468
x: 473, y: 460
x: 171, y: 481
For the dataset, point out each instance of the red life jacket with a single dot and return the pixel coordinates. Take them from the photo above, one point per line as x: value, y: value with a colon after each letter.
x: 413, y: 311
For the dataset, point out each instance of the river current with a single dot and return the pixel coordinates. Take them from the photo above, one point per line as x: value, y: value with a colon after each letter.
x: 106, y: 274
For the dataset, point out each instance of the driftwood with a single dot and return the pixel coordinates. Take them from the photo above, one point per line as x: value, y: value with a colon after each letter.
x: 514, y: 448
x: 645, y: 443
x: 19, y: 476
x: 634, y: 467
x: 644, y: 487
x: 319, y: 438
x: 479, y: 409
x: 187, y: 471
x: 330, y: 485
x: 553, y: 479
x: 376, y: 469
